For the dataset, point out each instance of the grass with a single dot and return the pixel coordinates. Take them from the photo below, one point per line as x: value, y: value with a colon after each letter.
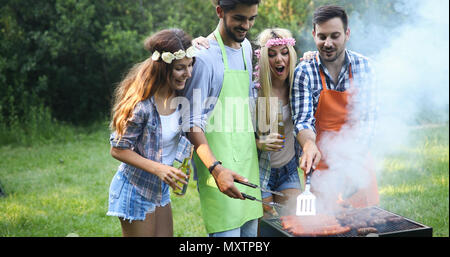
x: 56, y: 189
x: 59, y: 188
x: 414, y: 182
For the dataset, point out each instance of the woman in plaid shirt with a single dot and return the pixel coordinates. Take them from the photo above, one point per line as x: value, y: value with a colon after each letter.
x: 147, y: 136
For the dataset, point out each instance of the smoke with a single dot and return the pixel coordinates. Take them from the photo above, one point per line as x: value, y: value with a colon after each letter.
x: 412, y: 70
x: 410, y: 54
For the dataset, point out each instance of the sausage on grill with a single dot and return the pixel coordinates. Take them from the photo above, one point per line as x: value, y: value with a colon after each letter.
x: 365, y: 231
x: 394, y: 219
x: 319, y: 225
x: 376, y: 222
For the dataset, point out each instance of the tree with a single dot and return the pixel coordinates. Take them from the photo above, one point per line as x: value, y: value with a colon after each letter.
x: 68, y: 55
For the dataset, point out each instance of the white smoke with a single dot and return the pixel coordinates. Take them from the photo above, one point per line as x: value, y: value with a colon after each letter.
x: 411, y: 59
x: 413, y: 73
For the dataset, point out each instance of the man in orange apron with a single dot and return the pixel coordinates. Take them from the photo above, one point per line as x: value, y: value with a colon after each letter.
x: 322, y: 96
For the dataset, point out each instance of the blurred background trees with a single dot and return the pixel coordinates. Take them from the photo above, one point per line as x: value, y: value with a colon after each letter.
x: 61, y: 59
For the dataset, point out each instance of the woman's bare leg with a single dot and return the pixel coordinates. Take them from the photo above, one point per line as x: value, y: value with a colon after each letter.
x: 158, y: 223
x: 164, y: 227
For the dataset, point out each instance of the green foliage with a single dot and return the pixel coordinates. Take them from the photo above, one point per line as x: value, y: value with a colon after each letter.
x: 297, y: 16
x: 68, y: 55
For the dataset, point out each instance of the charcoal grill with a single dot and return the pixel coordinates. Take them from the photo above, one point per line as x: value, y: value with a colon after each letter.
x: 271, y: 227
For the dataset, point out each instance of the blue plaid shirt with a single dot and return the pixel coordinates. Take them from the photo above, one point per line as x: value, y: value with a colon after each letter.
x: 307, y: 87
x: 144, y: 136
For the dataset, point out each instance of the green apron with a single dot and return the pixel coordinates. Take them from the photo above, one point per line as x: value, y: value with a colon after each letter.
x: 233, y: 145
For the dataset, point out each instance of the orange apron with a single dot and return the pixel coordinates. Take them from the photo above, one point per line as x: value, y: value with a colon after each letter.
x: 331, y: 115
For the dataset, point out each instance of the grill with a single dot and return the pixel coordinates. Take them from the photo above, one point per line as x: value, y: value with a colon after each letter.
x: 402, y: 228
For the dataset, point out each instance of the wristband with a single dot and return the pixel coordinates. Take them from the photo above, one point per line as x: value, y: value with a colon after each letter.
x: 211, y: 168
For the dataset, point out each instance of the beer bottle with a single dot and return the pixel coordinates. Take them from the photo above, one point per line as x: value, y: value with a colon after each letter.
x: 186, y: 169
x: 280, y: 119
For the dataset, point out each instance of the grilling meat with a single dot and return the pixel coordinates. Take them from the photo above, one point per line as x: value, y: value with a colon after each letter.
x: 358, y: 224
x: 359, y: 218
x: 366, y: 231
x: 363, y: 221
x: 318, y: 225
x: 394, y: 219
x: 376, y: 222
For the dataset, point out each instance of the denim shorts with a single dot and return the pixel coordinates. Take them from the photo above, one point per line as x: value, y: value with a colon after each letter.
x: 283, y: 178
x: 124, y: 202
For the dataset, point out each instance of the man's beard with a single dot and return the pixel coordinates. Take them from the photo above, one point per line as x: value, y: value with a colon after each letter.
x: 231, y: 34
x: 332, y: 59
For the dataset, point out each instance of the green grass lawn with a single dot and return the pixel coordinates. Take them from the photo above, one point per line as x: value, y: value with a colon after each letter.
x: 414, y: 182
x: 58, y: 189
x: 54, y: 189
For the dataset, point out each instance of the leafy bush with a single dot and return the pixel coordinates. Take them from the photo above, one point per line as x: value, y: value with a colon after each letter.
x: 63, y: 58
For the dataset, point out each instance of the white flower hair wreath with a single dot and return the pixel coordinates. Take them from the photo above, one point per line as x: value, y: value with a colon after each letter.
x: 168, y: 57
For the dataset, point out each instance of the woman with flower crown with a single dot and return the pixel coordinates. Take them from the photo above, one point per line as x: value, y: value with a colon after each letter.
x: 278, y: 152
x: 147, y: 136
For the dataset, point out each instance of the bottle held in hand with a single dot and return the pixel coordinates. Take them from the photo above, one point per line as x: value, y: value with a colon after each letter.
x: 185, y: 167
x: 280, y: 120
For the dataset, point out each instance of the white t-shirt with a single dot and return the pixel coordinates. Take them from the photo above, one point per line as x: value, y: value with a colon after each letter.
x: 171, y: 130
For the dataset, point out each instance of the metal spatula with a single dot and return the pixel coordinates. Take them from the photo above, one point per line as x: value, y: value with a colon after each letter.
x: 306, y: 201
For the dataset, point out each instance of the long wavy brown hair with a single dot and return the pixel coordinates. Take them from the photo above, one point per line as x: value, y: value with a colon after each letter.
x: 145, y: 78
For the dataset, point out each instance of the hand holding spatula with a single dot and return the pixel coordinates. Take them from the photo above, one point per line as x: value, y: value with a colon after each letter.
x: 306, y: 201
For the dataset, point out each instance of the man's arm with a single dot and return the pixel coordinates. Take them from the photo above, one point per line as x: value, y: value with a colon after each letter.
x: 303, y: 117
x: 224, y: 177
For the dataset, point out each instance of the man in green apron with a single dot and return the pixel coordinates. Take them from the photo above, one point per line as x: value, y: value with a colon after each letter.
x: 221, y: 127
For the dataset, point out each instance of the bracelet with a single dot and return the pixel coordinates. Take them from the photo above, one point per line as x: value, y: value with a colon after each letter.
x: 211, y: 168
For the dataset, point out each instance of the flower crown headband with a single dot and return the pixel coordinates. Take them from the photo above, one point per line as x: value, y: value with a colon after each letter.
x: 280, y: 41
x: 168, y: 57
x: 270, y: 43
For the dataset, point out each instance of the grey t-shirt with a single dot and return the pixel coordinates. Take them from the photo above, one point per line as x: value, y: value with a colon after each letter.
x: 203, y: 88
x: 283, y: 157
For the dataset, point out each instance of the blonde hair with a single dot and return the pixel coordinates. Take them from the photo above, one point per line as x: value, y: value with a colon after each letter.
x: 265, y: 78
x: 145, y: 78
